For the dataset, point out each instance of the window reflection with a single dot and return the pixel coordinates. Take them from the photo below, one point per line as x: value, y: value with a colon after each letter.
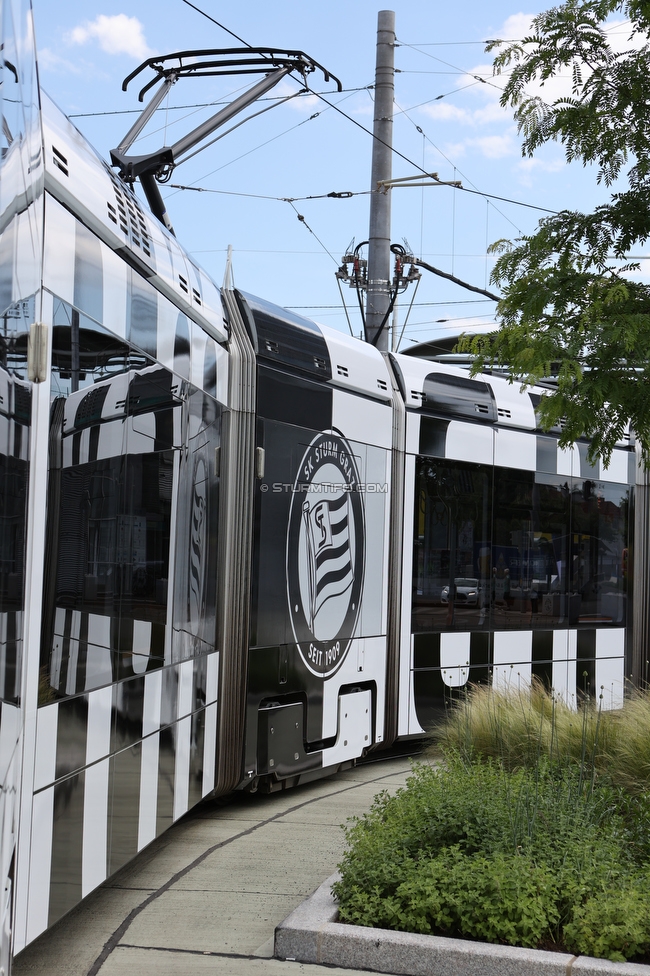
x: 132, y: 479
x: 452, y: 569
x: 83, y: 353
x: 529, y: 560
x: 114, y: 537
x: 599, y: 552
x: 503, y: 549
x: 15, y: 423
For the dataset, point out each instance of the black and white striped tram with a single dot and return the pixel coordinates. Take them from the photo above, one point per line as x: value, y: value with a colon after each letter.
x: 239, y: 550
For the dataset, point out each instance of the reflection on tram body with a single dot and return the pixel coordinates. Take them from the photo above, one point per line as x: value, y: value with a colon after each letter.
x: 517, y: 549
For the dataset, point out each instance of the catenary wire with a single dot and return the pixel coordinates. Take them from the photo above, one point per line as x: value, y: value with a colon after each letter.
x: 368, y: 131
x: 178, y: 108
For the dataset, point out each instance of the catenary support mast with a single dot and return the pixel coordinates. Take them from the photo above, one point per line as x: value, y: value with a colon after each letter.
x: 378, y: 293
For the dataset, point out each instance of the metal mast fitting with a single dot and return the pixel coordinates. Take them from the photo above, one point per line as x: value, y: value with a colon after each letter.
x: 405, y: 273
x: 156, y: 167
x: 378, y: 289
x: 432, y: 179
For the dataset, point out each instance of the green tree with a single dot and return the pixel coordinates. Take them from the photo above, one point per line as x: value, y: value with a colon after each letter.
x: 568, y: 309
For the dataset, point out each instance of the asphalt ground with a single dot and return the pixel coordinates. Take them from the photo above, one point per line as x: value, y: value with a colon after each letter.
x: 206, y: 896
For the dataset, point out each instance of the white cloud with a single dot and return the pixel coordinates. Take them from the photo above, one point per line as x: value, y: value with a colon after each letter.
x: 519, y: 26
x: 643, y: 272
x: 447, y: 112
x: 545, y: 165
x: 496, y: 147
x: 363, y: 108
x: 516, y: 27
x: 456, y: 149
x: 529, y: 166
x: 478, y: 107
x: 118, y: 34
x: 48, y: 60
x: 301, y: 103
x: 491, y: 147
x: 486, y: 115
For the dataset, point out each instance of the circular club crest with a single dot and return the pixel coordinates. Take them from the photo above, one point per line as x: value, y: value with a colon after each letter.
x: 325, y: 553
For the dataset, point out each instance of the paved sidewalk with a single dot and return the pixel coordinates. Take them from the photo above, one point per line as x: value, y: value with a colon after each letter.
x: 206, y: 896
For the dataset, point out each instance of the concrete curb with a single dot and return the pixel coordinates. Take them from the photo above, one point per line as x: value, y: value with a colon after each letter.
x: 310, y: 934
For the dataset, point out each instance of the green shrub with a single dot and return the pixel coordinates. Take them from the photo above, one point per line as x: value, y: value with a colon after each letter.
x: 496, y: 898
x: 522, y: 857
x: 612, y: 924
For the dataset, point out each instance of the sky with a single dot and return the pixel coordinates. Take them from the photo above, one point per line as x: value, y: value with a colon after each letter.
x: 253, y: 182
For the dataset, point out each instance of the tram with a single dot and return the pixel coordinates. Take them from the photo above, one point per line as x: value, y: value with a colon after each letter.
x: 239, y: 550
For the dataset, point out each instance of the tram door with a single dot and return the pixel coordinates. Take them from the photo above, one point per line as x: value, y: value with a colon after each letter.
x: 316, y: 671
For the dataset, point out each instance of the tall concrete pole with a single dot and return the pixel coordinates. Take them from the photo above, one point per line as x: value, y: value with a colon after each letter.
x: 377, y: 298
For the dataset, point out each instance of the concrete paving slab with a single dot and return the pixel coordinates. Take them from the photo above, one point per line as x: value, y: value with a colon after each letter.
x: 339, y: 807
x: 265, y: 861
x: 311, y: 934
x: 169, y: 855
x: 224, y: 877
x: 126, y: 961
x: 219, y: 922
x: 74, y: 942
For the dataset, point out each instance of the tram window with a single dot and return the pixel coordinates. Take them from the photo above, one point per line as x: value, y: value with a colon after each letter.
x: 13, y: 500
x: 529, y: 551
x: 118, y: 562
x: 452, y: 546
x: 598, y: 552
x: 131, y: 442
x: 505, y: 549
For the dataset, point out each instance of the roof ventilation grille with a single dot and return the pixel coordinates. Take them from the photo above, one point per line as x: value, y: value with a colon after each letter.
x: 60, y: 161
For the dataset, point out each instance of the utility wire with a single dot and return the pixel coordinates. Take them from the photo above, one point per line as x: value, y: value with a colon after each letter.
x: 226, y: 132
x: 464, y: 188
x: 367, y: 131
x: 317, y: 94
x: 178, y: 108
x: 469, y: 301
x: 255, y: 148
x: 232, y: 33
x: 411, y: 162
x: 457, y: 71
x: 337, y: 195
x: 450, y: 43
x: 454, y: 66
x: 437, y: 98
x: 347, y: 194
x: 519, y: 203
x: 304, y: 222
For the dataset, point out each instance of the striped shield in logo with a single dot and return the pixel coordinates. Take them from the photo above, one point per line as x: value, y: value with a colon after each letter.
x: 325, y: 552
